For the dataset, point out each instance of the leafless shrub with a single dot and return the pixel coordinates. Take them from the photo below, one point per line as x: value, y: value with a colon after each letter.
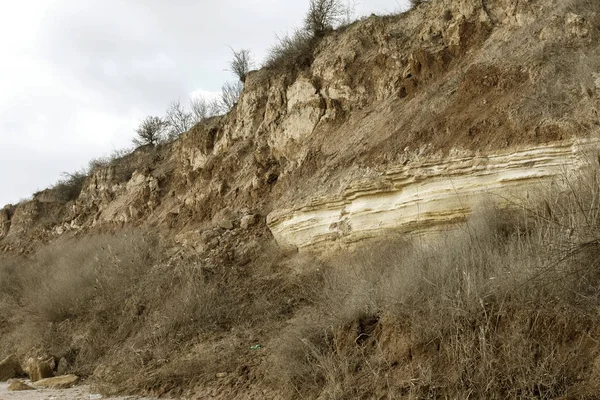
x: 241, y: 63
x: 177, y: 120
x: 110, y: 160
x: 202, y: 108
x: 67, y: 277
x: 293, y: 51
x: 323, y: 15
x: 230, y: 95
x: 349, y: 12
x: 69, y: 186
x: 149, y: 132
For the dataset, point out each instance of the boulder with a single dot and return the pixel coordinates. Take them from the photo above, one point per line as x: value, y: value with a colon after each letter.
x: 38, y: 369
x: 10, y: 368
x: 248, y: 220
x: 225, y: 223
x: 58, y: 382
x: 17, y: 385
x: 62, y: 367
x: 224, y: 219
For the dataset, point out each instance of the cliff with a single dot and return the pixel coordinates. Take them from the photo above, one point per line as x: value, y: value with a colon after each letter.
x: 269, y: 252
x: 449, y: 91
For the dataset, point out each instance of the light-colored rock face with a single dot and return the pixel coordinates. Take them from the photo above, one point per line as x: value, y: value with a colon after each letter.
x: 58, y: 382
x: 381, y: 102
x: 432, y: 194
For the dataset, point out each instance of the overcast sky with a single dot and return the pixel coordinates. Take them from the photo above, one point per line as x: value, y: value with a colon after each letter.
x: 76, y: 76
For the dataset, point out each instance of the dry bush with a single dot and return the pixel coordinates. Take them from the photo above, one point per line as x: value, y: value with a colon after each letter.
x: 149, y: 132
x: 10, y: 291
x: 295, y: 52
x: 111, y: 160
x: 69, y: 299
x: 203, y: 108
x: 503, y: 308
x: 241, y: 63
x: 230, y: 95
x: 66, y: 278
x: 69, y: 187
x: 415, y: 3
x: 177, y: 120
x: 292, y: 51
x: 323, y: 15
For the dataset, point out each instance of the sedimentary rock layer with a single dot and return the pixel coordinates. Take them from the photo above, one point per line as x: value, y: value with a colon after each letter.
x: 430, y: 194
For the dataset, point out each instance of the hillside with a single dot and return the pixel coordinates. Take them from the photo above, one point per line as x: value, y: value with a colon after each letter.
x: 277, y: 251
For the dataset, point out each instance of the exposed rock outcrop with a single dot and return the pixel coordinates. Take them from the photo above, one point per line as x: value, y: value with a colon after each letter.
x: 430, y: 194
x: 19, y: 386
x: 58, y: 382
x: 10, y: 368
x: 384, y: 101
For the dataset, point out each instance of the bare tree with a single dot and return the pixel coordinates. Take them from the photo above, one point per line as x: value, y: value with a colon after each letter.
x: 177, y: 120
x: 149, y: 132
x: 322, y: 15
x: 349, y: 12
x: 203, y: 108
x: 241, y: 63
x: 230, y: 94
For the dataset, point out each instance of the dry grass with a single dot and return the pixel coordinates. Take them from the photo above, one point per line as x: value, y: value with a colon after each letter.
x: 504, y: 308
x: 69, y: 284
x: 112, y: 306
x: 60, y: 285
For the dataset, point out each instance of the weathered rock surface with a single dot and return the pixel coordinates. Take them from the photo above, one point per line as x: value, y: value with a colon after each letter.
x: 429, y: 194
x: 399, y: 102
x: 19, y: 386
x: 38, y: 369
x: 58, y: 382
x: 248, y: 220
x: 10, y: 368
x: 63, y: 367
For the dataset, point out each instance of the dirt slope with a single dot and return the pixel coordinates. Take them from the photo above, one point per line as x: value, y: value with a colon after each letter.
x: 175, y: 269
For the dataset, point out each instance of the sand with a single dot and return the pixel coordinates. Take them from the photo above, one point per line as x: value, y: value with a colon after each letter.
x: 82, y: 392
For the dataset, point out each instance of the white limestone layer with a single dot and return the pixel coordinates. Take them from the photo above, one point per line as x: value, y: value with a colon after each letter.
x: 429, y: 195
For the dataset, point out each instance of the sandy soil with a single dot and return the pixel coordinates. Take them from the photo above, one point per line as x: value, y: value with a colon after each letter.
x: 82, y: 392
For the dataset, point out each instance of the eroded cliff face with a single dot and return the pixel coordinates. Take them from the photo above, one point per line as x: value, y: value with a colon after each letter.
x: 430, y: 195
x: 399, y: 122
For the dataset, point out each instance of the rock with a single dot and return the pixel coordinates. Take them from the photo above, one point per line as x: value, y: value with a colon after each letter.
x: 10, y: 368
x: 58, y: 382
x: 38, y: 369
x: 18, y: 386
x: 52, y: 363
x: 224, y: 219
x: 225, y: 224
x: 221, y: 375
x: 248, y: 220
x: 62, y: 367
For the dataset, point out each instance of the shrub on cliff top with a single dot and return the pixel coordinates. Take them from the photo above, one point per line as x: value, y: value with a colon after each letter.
x: 70, y: 186
x: 149, y: 132
x: 295, y: 51
x: 323, y: 15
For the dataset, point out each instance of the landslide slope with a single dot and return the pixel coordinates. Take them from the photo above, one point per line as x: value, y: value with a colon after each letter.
x: 171, y: 272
